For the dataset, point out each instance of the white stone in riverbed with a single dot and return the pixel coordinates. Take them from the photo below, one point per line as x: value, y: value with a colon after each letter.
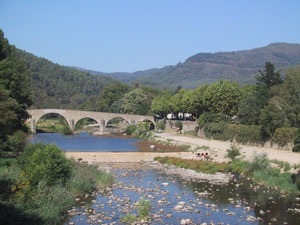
x: 185, y: 221
x: 165, y: 184
x: 181, y: 203
x: 178, y: 207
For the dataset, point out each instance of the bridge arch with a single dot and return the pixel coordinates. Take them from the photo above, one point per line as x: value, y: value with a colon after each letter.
x: 41, y: 116
x: 152, y: 124
x: 87, y: 117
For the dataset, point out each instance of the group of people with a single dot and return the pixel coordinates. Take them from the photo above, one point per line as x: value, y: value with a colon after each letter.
x: 203, y: 155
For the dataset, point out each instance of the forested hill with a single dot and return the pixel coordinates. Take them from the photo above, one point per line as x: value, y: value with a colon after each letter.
x: 202, y: 68
x: 56, y: 86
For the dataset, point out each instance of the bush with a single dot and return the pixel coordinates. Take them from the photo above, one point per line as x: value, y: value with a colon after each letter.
x: 16, y: 142
x: 161, y: 124
x: 284, y: 135
x: 209, y: 117
x: 216, y: 131
x: 45, y: 162
x: 233, y: 152
x: 178, y: 124
x: 86, y: 178
x: 259, y: 162
x: 67, y: 130
x: 296, y: 147
x: 130, y: 129
x: 144, y: 207
x: 50, y: 203
x: 143, y: 131
x: 238, y: 166
x: 244, y: 134
x: 241, y: 133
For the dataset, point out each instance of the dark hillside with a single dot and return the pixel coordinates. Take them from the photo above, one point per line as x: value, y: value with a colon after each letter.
x: 57, y: 86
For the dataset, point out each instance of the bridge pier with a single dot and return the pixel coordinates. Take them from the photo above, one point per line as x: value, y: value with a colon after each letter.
x: 72, y: 125
x: 102, y: 127
x: 33, y: 126
x: 133, y: 122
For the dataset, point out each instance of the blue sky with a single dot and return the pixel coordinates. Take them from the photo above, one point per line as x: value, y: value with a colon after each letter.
x: 131, y: 35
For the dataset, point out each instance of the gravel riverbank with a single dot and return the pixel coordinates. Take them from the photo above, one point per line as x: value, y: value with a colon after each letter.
x: 191, y: 175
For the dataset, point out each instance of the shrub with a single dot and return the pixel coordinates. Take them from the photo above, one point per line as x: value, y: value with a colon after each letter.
x: 233, y: 152
x: 284, y: 135
x: 216, y: 131
x: 245, y: 133
x: 47, y: 163
x: 209, y: 117
x: 178, y: 124
x: 16, y: 142
x: 143, y: 131
x: 241, y: 133
x: 161, y: 124
x: 144, y: 207
x: 50, y: 203
x: 130, y: 129
x: 259, y: 162
x: 296, y: 147
x: 238, y: 166
x: 67, y: 130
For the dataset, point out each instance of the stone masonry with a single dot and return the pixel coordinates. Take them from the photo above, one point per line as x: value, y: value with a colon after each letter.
x: 73, y: 116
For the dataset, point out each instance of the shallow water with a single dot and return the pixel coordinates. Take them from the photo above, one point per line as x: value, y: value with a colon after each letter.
x: 229, y: 204
x: 86, y: 143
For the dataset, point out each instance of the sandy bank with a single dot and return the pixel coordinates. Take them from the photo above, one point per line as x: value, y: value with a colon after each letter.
x: 219, y: 148
x: 125, y: 156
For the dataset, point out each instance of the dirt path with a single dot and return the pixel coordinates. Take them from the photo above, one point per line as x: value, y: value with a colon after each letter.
x: 219, y: 148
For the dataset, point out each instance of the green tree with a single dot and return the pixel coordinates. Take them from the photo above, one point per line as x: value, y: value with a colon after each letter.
x: 161, y: 105
x: 177, y: 103
x: 136, y: 102
x: 15, y: 92
x: 269, y: 77
x: 8, y: 116
x: 223, y: 97
x: 110, y: 98
x: 284, y: 107
x: 197, y: 105
x: 252, y: 104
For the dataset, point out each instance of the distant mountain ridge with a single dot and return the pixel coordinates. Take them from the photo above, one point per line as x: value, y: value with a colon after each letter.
x: 241, y: 66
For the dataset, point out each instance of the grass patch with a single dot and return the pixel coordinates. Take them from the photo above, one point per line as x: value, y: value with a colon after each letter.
x: 282, y: 165
x: 143, y: 207
x: 197, y: 165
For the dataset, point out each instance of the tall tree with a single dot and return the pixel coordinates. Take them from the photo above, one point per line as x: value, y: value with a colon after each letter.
x: 110, y: 98
x: 284, y: 106
x: 15, y: 81
x: 269, y: 77
x: 161, y: 105
x: 136, y: 102
x: 223, y: 97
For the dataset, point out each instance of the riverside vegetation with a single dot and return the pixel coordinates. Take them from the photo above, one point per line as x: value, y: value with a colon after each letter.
x: 41, y: 184
x: 259, y: 169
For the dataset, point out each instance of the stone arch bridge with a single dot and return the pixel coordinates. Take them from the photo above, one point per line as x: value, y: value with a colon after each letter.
x: 73, y: 116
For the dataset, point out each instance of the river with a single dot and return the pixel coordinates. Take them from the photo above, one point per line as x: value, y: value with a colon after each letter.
x: 239, y: 202
x: 85, y: 142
